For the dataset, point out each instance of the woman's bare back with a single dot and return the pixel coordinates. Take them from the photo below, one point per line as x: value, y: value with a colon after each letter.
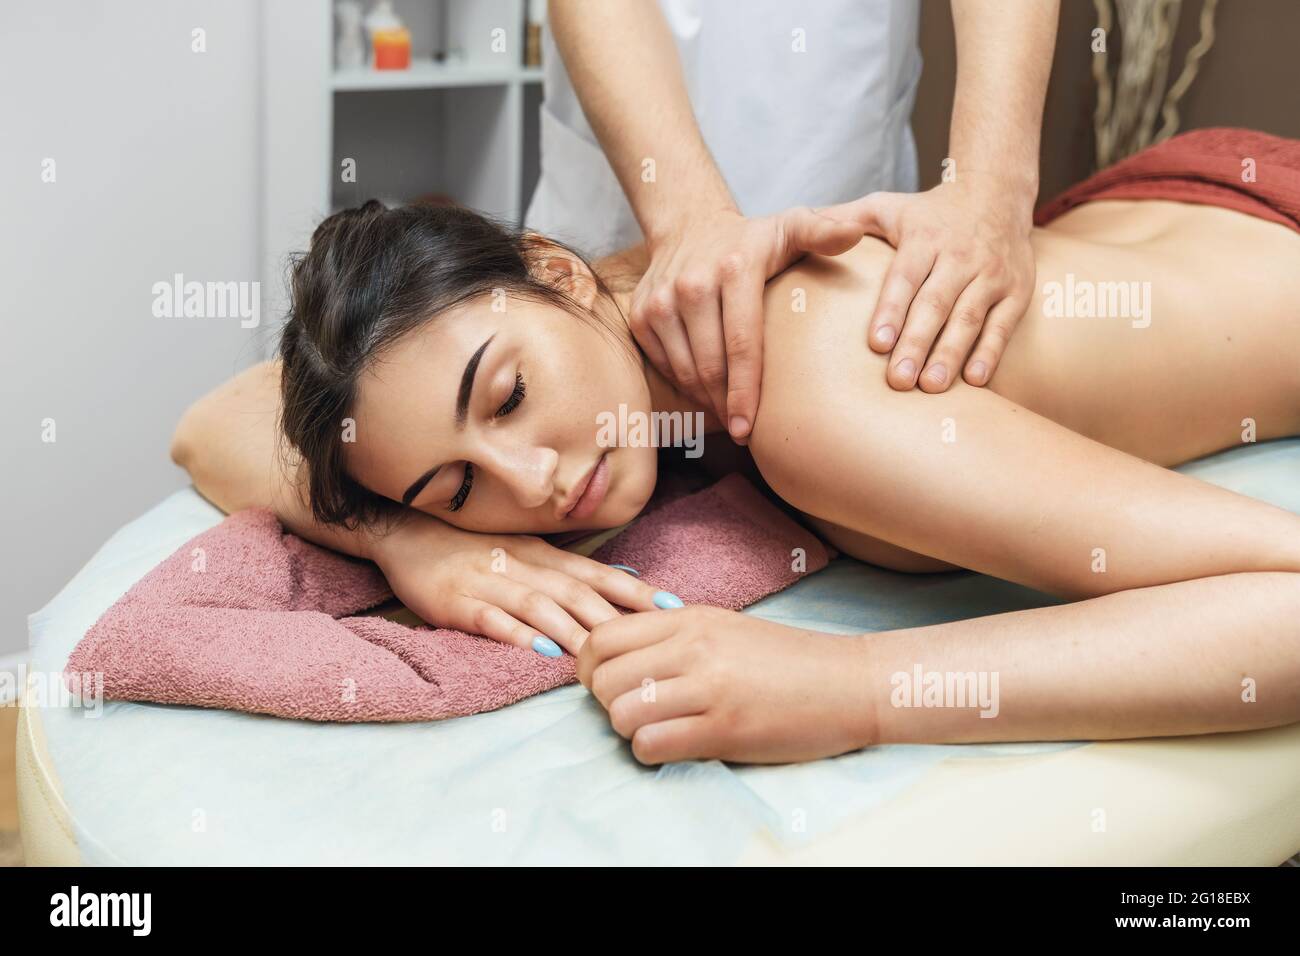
x: 1211, y: 338
x: 1165, y: 330
x: 1155, y: 327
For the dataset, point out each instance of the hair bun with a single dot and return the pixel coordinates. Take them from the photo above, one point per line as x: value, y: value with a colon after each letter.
x: 346, y: 219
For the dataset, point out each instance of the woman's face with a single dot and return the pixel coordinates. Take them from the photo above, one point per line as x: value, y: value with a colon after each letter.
x: 489, y: 420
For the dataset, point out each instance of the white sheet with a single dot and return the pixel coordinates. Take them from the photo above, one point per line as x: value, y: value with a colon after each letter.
x: 545, y: 780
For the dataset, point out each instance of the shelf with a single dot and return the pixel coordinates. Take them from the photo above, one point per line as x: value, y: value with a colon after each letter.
x: 428, y: 75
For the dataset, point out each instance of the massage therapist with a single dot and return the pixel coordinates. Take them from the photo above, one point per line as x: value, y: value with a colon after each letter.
x: 697, y: 124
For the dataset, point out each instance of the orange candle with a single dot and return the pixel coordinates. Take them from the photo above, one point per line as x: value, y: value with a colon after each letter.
x: 392, y: 49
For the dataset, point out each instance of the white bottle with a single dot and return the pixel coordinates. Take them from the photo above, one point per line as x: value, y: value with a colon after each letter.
x: 350, y: 45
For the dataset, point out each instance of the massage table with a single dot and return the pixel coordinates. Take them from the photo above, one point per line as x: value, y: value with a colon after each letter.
x: 547, y: 781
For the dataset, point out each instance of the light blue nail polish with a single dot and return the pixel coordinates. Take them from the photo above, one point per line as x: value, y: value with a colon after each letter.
x: 623, y: 567
x: 546, y: 647
x: 667, y: 599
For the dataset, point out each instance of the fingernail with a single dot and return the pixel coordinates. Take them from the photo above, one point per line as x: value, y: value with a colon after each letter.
x: 978, y: 370
x: 739, y: 426
x: 623, y: 567
x: 885, y: 336
x: 906, y: 369
x: 667, y: 599
x: 937, y: 373
x: 546, y: 647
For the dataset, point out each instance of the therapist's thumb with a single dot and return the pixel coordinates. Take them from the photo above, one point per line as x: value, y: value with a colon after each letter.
x: 808, y: 231
x: 876, y: 214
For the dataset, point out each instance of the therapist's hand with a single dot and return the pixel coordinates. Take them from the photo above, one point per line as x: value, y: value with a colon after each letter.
x: 510, y: 587
x: 963, y: 277
x: 698, y: 310
x: 702, y: 683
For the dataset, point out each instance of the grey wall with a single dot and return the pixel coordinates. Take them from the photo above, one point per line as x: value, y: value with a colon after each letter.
x: 156, y: 151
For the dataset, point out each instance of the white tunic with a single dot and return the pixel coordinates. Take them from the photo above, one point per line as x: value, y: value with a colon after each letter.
x: 799, y: 103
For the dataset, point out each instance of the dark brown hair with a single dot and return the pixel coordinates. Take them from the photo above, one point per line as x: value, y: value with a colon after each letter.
x: 371, y: 276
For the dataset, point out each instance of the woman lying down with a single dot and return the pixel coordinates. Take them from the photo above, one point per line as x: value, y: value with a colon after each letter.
x: 440, y: 381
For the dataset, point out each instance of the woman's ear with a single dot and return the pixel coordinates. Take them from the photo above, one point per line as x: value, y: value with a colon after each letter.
x: 561, y: 269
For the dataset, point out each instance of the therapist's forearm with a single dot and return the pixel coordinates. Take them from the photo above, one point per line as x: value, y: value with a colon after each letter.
x: 625, y: 70
x: 1203, y: 656
x: 1004, y: 59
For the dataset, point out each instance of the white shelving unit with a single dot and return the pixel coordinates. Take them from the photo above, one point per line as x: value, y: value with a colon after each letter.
x: 428, y: 75
x: 455, y: 126
x: 462, y: 126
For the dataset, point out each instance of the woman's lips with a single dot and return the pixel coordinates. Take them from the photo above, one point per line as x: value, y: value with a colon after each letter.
x: 594, y: 493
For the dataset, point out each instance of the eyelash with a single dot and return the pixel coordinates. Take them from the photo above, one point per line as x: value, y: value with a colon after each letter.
x: 515, y: 398
x: 466, y: 484
x: 511, y: 403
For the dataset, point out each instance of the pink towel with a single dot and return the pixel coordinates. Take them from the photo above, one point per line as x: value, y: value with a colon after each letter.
x: 249, y: 617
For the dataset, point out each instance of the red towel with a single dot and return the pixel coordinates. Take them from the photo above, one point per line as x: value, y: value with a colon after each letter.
x: 249, y: 617
x: 1239, y: 169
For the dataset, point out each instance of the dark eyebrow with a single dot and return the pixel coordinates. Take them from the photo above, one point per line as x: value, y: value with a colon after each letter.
x: 462, y: 413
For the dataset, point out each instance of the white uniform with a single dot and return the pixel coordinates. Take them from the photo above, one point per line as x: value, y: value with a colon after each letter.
x: 799, y: 103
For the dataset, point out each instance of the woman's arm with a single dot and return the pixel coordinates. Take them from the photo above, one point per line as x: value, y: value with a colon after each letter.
x: 1206, y: 656
x: 508, y: 587
x: 229, y: 441
x: 1218, y: 654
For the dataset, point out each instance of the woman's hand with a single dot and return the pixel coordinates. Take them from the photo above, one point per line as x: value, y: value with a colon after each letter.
x: 704, y: 683
x: 511, y: 588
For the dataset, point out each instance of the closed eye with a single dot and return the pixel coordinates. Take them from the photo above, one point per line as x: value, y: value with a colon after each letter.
x: 458, y: 500
x: 509, y: 405
x: 515, y: 398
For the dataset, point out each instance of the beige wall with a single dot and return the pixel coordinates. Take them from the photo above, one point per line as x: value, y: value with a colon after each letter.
x: 1251, y: 77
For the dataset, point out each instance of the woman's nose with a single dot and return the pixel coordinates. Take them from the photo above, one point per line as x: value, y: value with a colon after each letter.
x: 529, y: 472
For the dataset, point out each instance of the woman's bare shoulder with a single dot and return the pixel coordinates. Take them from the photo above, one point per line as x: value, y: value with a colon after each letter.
x: 822, y: 385
x: 816, y: 316
x: 822, y: 297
